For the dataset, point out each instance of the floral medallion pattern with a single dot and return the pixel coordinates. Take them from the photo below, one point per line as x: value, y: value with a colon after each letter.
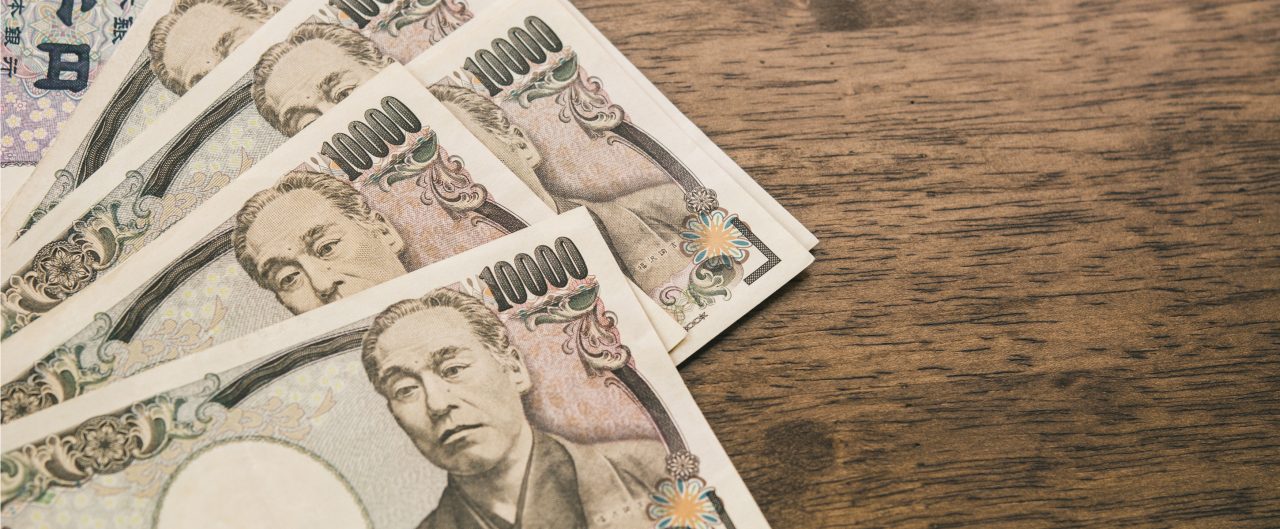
x: 682, y: 464
x: 54, y: 379
x: 102, y: 445
x: 21, y: 400
x: 104, y: 442
x: 683, y: 503
x: 713, y: 235
x: 64, y: 267
x: 700, y: 200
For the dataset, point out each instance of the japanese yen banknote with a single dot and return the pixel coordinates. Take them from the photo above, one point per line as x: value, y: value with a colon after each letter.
x: 274, y: 83
x: 551, y: 100
x: 294, y: 233
x: 52, y: 51
x: 693, y: 239
x: 132, y: 90
x: 439, y: 399
x: 181, y: 48
x: 362, y: 263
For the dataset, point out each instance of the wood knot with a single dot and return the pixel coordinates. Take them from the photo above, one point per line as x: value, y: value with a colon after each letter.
x: 801, y: 444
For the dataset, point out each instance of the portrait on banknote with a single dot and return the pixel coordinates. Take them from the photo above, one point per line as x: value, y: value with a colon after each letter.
x: 313, y: 239
x: 171, y: 46
x: 280, y: 91
x: 298, y: 234
x: 480, y: 403
x: 312, y: 70
x: 196, y: 35
x: 455, y: 382
x: 312, y: 65
x: 550, y: 99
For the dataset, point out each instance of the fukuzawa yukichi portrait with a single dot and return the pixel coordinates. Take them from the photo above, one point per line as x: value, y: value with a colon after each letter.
x: 457, y: 386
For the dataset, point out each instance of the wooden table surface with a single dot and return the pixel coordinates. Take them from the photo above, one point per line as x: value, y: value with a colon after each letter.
x: 1048, y: 288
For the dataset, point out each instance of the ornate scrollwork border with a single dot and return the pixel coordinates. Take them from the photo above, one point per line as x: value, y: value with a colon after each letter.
x: 103, y: 445
x: 592, y: 333
x: 110, y: 443
x: 438, y: 17
x: 583, y: 100
x: 64, y: 267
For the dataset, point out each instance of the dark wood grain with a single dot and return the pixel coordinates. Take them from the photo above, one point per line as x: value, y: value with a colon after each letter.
x: 1048, y: 288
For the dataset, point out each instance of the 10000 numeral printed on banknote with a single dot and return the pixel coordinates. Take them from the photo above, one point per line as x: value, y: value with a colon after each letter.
x: 294, y: 233
x: 532, y: 83
x: 303, y: 61
x: 177, y: 45
x: 424, y: 402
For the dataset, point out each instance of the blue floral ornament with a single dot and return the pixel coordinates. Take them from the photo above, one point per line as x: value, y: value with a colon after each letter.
x: 713, y: 235
x: 683, y: 503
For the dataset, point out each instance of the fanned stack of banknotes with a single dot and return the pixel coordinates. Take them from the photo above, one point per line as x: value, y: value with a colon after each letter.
x: 375, y: 263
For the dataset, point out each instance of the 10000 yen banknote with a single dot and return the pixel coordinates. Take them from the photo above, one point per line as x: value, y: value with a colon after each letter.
x: 424, y: 402
x: 190, y: 37
x: 53, y: 51
x: 291, y: 234
x: 540, y: 90
x: 292, y: 70
x: 695, y: 135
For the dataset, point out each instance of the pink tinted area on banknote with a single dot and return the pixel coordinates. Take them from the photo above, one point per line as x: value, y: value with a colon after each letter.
x: 48, y: 64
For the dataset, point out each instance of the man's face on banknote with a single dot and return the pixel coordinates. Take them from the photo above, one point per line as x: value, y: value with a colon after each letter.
x: 315, y: 69
x: 449, y: 391
x: 196, y: 35
x: 309, y: 253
